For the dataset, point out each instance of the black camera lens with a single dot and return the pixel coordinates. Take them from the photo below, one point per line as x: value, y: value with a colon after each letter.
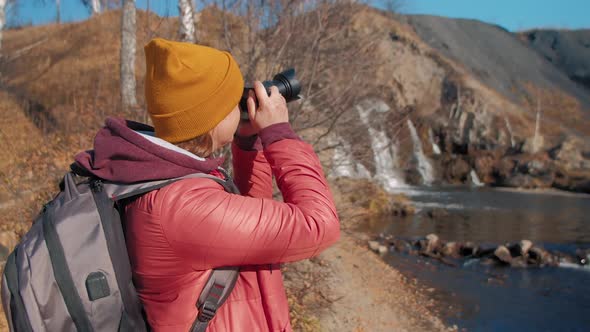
x: 288, y: 85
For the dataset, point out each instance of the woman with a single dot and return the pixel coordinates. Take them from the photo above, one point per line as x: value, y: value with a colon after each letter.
x: 178, y: 234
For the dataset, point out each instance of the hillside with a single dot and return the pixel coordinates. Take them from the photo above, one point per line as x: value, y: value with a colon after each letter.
x: 566, y: 49
x: 474, y: 92
x: 498, y: 59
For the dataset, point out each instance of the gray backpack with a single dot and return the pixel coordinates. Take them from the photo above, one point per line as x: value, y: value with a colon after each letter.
x: 71, y: 271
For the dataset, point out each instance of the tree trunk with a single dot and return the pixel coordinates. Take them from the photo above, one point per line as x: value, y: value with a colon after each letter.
x: 187, y: 21
x: 537, y: 138
x: 128, y: 55
x: 2, y: 6
x: 58, y: 11
x: 95, y: 7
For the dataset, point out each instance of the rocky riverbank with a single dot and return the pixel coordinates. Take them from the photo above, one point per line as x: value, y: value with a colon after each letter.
x: 519, y: 254
x: 347, y: 288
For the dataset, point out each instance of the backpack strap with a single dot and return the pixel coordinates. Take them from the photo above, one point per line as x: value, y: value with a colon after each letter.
x: 221, y: 281
x: 17, y: 309
x: 118, y: 191
x: 217, y: 289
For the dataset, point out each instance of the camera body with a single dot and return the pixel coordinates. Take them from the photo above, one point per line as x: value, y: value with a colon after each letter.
x: 288, y: 85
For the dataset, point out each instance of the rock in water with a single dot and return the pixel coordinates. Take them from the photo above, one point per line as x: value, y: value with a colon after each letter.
x: 432, y: 243
x: 503, y: 255
x: 525, y: 246
x: 540, y: 257
x: 583, y: 256
x: 400, y: 245
x: 382, y: 250
x: 451, y: 249
x: 374, y: 246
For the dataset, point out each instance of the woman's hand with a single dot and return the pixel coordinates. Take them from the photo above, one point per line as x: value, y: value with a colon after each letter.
x: 271, y: 109
x: 245, y: 127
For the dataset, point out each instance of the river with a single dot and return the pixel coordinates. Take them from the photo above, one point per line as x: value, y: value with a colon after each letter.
x: 490, y: 298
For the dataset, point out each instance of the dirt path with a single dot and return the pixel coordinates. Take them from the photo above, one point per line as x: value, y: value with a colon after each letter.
x: 359, y: 292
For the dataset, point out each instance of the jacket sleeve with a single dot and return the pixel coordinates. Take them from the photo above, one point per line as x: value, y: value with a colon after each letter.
x: 252, y: 172
x: 212, y: 228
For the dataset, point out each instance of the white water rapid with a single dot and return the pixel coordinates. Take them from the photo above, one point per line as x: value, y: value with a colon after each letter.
x: 343, y: 165
x: 435, y: 147
x: 475, y: 179
x: 424, y: 167
x: 384, y: 150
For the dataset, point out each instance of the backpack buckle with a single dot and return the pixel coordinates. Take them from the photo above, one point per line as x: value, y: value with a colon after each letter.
x: 96, y: 185
x: 207, y: 312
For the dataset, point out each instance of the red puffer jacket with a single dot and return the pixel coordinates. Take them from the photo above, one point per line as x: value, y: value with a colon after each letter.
x: 177, y: 234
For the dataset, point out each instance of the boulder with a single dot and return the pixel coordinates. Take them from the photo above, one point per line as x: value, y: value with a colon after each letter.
x: 400, y: 245
x: 451, y: 249
x: 583, y: 256
x: 432, y: 243
x: 520, y: 249
x: 541, y: 257
x: 374, y: 246
x: 524, y: 246
x: 503, y: 255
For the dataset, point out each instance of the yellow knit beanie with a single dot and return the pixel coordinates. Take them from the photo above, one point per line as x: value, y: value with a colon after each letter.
x: 189, y: 88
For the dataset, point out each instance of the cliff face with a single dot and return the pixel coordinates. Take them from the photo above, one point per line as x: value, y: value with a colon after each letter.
x: 468, y: 102
x: 565, y: 49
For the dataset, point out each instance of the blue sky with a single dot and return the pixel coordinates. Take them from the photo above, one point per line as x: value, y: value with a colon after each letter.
x: 512, y: 14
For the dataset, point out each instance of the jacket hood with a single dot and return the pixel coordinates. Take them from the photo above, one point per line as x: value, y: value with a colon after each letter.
x: 126, y: 151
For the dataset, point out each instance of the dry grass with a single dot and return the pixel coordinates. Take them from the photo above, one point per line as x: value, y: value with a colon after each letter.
x: 361, y: 200
x: 560, y: 111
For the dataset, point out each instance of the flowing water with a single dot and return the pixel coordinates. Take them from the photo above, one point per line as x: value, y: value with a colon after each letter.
x: 384, y: 150
x: 491, y: 298
x: 424, y: 166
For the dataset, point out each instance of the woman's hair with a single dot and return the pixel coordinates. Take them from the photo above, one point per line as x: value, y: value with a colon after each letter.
x: 202, y: 145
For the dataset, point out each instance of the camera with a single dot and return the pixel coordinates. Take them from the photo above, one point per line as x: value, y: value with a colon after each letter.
x: 289, y: 87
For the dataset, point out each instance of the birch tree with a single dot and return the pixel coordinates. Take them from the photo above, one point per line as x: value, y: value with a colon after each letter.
x: 94, y: 6
x: 57, y: 11
x: 128, y: 85
x: 2, y: 18
x: 537, y: 139
x: 186, y: 28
